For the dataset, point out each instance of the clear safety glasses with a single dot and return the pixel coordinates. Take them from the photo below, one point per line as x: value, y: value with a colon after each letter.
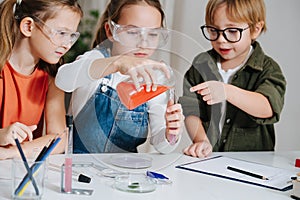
x: 139, y: 37
x: 58, y: 37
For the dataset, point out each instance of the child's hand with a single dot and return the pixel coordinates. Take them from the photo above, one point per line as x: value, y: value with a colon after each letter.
x: 174, y: 121
x: 212, y: 91
x: 21, y: 130
x: 199, y: 149
x: 141, y: 67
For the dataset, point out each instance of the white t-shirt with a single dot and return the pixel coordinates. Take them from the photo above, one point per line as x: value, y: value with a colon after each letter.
x: 227, y: 76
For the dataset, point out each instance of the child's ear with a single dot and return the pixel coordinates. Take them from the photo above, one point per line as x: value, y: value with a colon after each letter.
x: 257, y: 30
x: 108, y: 31
x: 26, y: 26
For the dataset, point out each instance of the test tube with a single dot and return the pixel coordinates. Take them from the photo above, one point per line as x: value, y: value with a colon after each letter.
x: 173, y: 98
x: 68, y: 155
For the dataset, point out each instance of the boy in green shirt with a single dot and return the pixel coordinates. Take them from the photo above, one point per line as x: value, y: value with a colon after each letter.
x: 234, y: 93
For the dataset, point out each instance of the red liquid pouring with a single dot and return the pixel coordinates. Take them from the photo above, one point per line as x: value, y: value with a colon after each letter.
x: 132, y: 98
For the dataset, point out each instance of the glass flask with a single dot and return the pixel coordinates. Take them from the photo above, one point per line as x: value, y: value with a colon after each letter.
x: 132, y: 98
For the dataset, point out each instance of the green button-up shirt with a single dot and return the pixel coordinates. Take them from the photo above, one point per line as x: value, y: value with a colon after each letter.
x: 241, y: 131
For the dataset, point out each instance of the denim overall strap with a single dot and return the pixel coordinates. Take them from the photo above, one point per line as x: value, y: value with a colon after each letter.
x: 105, y: 125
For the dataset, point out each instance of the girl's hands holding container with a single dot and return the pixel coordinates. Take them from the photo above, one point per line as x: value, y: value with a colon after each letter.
x: 143, y: 68
x: 146, y: 81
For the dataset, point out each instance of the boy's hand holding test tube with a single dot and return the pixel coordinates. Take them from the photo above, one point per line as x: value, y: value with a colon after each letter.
x: 174, y: 118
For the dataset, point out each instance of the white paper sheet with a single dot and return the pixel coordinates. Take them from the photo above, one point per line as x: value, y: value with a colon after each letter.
x: 279, y: 179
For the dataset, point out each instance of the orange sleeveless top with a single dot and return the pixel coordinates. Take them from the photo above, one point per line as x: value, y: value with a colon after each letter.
x: 22, y: 97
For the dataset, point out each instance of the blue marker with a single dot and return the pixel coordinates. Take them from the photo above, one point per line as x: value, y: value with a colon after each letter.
x: 158, y: 178
x: 156, y: 175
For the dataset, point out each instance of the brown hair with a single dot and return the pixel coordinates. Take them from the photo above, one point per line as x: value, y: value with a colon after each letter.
x: 113, y: 11
x: 12, y: 14
x: 248, y: 11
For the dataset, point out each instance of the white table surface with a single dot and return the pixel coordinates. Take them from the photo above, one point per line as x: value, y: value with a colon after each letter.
x: 186, y: 184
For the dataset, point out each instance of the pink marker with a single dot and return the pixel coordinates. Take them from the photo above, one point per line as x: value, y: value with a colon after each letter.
x: 68, y: 174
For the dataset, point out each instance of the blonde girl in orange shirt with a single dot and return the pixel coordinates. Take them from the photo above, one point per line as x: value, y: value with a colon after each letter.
x: 34, y: 35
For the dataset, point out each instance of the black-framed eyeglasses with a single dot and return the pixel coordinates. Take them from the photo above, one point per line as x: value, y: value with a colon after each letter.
x: 230, y: 34
x: 58, y: 37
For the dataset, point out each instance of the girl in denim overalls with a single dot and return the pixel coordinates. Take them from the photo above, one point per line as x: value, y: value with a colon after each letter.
x: 102, y: 123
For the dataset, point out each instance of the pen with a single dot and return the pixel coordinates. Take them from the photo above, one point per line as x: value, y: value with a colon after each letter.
x: 247, y: 173
x: 29, y: 172
x: 295, y: 197
x: 39, y: 157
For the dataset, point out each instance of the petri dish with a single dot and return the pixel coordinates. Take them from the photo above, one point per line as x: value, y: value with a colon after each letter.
x: 135, y: 183
x: 131, y: 161
x: 111, y: 173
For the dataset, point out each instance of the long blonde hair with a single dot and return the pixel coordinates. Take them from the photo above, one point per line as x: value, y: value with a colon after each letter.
x: 11, y: 14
